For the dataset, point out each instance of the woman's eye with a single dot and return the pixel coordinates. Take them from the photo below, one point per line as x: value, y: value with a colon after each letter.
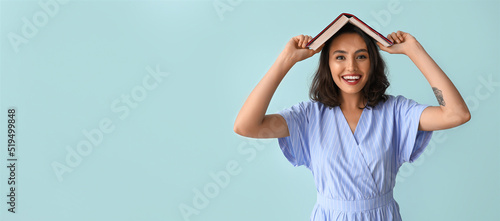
x: 362, y: 57
x: 340, y: 57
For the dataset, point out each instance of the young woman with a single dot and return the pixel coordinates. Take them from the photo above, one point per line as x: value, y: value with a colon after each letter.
x: 350, y: 134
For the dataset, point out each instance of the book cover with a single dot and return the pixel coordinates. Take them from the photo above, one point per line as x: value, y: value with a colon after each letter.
x: 338, y: 23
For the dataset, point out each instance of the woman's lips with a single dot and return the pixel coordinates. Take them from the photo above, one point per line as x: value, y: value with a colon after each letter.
x: 351, y: 79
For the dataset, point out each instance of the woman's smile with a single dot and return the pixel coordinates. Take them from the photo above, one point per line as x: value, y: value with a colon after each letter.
x: 351, y: 79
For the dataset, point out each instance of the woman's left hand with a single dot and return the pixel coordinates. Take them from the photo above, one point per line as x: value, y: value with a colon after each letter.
x: 404, y: 43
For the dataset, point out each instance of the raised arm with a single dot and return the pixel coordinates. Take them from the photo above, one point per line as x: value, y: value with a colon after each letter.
x: 452, y: 110
x: 251, y: 120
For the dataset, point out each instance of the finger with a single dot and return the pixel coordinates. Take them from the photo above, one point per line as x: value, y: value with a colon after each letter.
x: 296, y: 39
x: 384, y: 48
x: 320, y: 48
x: 390, y: 38
x: 308, y: 39
x: 381, y: 46
x: 299, y: 41
x: 396, y: 37
x: 308, y: 42
x: 302, y: 40
x: 400, y: 36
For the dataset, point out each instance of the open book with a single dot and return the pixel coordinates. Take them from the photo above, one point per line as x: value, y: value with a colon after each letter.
x: 338, y: 23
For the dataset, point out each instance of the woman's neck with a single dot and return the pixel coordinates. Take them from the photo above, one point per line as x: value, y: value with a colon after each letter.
x: 352, y: 101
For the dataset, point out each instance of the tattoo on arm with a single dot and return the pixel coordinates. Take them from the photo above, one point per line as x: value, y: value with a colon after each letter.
x: 439, y: 96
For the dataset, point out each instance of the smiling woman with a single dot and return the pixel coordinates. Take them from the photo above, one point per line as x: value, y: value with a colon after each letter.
x: 350, y: 134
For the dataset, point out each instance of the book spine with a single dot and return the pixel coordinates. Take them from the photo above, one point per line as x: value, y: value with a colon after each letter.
x: 374, y: 31
x: 316, y: 37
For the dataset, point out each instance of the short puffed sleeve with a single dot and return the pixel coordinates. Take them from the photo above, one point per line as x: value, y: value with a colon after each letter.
x: 296, y: 146
x: 410, y: 141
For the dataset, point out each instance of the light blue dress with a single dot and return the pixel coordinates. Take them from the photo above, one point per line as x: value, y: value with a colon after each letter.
x: 355, y: 173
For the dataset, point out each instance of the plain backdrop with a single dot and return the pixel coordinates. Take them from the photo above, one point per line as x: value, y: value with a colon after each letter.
x: 125, y: 109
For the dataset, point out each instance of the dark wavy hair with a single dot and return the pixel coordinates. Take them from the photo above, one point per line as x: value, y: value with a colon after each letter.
x: 324, y: 89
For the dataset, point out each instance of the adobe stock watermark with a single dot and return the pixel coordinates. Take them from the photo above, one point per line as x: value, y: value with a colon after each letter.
x: 221, y: 179
x: 31, y: 26
x: 94, y: 137
x: 223, y: 6
x: 483, y: 91
x: 405, y: 171
x: 383, y: 17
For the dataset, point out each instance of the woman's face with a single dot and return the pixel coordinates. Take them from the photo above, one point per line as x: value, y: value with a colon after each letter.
x: 349, y: 63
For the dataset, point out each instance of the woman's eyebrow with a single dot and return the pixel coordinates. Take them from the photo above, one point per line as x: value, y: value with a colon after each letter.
x: 340, y: 51
x: 360, y: 50
x: 345, y: 52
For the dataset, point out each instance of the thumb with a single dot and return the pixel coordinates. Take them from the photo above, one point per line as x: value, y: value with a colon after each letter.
x: 319, y: 49
x: 383, y: 48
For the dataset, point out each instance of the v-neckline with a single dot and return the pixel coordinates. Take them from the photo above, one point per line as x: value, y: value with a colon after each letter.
x: 346, y: 124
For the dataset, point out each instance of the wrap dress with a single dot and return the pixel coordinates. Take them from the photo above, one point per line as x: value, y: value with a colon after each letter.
x: 354, y: 173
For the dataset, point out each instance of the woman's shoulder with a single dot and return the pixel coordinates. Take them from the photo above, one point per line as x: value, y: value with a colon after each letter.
x: 318, y: 105
x: 395, y: 99
x: 309, y: 107
x: 310, y: 103
x: 399, y: 102
x: 391, y: 102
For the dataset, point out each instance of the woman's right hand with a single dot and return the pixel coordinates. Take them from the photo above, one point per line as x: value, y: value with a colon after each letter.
x: 296, y: 49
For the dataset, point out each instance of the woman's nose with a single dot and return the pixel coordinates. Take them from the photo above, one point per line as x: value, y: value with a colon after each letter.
x: 352, y: 65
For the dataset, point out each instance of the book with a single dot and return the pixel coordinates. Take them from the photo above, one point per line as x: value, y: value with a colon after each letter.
x: 338, y: 23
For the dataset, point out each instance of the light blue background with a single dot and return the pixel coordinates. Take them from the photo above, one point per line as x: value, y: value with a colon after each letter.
x: 91, y: 53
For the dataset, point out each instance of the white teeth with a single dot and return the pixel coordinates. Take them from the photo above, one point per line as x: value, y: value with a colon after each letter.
x: 351, y: 77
